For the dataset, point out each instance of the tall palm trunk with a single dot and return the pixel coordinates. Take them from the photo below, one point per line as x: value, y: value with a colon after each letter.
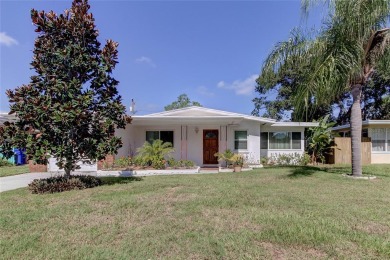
x: 356, y: 130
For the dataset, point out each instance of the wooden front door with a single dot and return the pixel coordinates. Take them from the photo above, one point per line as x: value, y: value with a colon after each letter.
x: 210, y: 146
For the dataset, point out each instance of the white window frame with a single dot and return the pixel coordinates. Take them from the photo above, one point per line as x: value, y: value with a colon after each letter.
x: 291, y: 139
x: 159, y: 134
x: 234, y: 139
x: 387, y: 140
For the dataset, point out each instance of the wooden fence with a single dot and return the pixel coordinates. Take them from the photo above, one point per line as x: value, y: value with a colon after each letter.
x: 341, y: 153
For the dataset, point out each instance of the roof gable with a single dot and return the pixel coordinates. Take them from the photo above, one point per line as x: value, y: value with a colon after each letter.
x: 195, y: 111
x: 201, y: 114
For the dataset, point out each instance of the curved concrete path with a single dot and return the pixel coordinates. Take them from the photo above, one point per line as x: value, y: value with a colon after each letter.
x: 21, y: 180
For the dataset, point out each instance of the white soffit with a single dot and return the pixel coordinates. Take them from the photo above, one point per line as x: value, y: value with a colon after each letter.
x: 302, y: 124
x: 364, y: 123
x: 198, y: 114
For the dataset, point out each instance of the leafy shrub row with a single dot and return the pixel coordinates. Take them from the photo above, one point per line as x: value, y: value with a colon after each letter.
x: 287, y: 159
x: 157, y: 163
x: 180, y: 163
x: 61, y: 183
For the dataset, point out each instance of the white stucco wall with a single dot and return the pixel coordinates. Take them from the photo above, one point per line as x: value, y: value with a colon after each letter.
x: 84, y: 167
x: 379, y: 157
x: 134, y: 137
x: 188, y: 143
x: 253, y: 147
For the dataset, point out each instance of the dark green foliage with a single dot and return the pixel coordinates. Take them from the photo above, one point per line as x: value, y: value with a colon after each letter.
x: 374, y: 101
x: 63, y: 183
x: 320, y: 139
x: 281, y: 106
x: 71, y: 106
x: 182, y: 101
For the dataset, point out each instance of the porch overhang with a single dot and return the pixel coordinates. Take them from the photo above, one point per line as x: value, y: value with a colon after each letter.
x: 180, y: 120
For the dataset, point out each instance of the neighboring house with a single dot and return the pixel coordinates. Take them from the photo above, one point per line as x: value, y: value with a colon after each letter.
x: 197, y: 133
x: 379, y: 132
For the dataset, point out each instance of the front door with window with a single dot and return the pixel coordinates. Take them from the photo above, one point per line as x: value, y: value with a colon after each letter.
x: 210, y: 146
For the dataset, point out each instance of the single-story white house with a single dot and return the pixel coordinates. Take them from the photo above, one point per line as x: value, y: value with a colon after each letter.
x: 197, y: 133
x: 379, y: 132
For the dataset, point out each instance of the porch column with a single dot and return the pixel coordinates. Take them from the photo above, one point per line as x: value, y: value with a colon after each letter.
x: 183, y: 142
x: 223, y: 137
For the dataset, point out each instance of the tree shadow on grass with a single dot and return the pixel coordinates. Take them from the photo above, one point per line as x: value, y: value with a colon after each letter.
x: 119, y: 180
x: 303, y: 171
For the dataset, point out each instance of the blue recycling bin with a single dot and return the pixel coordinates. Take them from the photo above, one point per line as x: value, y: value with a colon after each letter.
x: 20, y: 156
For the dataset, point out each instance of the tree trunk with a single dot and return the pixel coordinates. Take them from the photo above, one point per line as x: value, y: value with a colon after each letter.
x: 356, y: 130
x: 67, y: 173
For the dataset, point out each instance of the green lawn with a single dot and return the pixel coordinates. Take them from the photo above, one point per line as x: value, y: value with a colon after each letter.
x: 272, y: 213
x: 13, y: 170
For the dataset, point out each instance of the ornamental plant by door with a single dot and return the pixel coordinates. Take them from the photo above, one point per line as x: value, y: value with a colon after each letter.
x: 238, y: 162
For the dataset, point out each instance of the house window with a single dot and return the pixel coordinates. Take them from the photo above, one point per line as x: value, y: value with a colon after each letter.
x: 280, y: 140
x: 285, y: 140
x: 165, y: 136
x: 240, y: 140
x: 264, y: 140
x: 378, y: 139
x: 296, y: 140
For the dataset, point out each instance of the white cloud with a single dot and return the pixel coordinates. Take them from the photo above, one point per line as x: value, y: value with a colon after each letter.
x: 221, y: 84
x: 240, y: 87
x: 145, y: 60
x: 7, y: 40
x: 204, y: 91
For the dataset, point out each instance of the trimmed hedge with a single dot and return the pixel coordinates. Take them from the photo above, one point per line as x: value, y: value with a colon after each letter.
x: 61, y: 183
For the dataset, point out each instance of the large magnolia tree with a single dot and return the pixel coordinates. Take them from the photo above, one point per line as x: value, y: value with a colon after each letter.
x: 342, y: 57
x: 71, y: 106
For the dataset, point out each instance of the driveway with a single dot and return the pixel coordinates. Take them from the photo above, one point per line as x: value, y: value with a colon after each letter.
x: 21, y: 180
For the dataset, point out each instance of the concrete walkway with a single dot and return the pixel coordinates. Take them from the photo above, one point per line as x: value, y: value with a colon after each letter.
x: 21, y: 180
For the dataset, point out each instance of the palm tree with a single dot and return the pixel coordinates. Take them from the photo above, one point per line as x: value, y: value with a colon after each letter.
x: 340, y: 58
x: 154, y: 154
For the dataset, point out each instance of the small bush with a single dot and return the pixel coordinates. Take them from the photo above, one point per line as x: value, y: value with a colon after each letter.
x: 173, y: 163
x: 123, y: 162
x: 61, y: 183
x: 187, y: 163
x: 180, y: 163
x: 4, y: 162
x: 289, y: 159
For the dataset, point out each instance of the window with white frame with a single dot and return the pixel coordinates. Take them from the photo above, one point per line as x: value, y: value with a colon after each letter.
x: 380, y: 139
x: 165, y: 136
x: 240, y: 140
x: 281, y: 140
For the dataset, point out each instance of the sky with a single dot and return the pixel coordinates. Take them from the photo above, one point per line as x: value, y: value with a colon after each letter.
x: 210, y: 50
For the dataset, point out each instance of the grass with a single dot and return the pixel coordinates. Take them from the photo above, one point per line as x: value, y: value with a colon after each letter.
x: 271, y: 213
x: 13, y: 170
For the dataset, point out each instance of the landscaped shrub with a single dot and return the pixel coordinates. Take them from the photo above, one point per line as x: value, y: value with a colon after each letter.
x: 289, y: 159
x: 173, y: 163
x: 4, y: 162
x: 187, y: 163
x: 61, y: 183
x: 154, y: 154
x: 180, y: 163
x: 123, y: 162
